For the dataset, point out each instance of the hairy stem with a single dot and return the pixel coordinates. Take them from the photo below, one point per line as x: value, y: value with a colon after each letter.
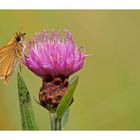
x: 56, y: 124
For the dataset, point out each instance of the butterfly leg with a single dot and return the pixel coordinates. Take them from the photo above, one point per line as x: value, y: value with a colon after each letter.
x: 20, y: 59
x: 20, y: 67
x: 19, y: 56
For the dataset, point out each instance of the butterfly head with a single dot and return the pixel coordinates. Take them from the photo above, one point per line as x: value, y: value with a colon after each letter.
x: 19, y: 36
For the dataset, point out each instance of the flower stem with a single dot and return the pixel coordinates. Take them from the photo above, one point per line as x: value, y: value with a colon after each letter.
x: 56, y: 124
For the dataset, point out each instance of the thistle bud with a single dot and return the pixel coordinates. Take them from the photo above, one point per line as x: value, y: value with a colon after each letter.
x: 54, y: 60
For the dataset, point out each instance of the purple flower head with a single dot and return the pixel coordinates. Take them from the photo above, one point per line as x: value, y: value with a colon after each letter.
x: 53, y: 54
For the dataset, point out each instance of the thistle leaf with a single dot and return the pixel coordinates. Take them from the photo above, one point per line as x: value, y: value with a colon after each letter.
x: 65, y: 117
x: 72, y: 79
x: 67, y: 98
x: 26, y: 110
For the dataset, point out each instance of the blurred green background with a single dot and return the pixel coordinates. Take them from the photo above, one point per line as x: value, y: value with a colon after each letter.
x: 108, y: 93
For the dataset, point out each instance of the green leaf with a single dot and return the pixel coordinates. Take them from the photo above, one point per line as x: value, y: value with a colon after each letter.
x: 72, y: 79
x: 65, y: 117
x: 26, y: 110
x: 67, y: 98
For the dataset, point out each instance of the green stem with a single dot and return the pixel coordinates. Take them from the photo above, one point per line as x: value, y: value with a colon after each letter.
x: 60, y: 124
x: 56, y: 124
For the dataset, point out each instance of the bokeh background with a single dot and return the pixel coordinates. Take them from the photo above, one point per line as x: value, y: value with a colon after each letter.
x: 108, y: 93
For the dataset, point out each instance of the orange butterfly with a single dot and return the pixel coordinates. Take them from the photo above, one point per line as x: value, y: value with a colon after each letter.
x: 10, y: 55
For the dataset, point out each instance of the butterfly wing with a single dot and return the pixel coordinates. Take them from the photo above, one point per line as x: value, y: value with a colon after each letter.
x: 8, y: 61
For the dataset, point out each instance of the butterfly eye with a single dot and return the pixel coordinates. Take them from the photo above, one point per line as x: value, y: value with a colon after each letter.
x: 18, y: 38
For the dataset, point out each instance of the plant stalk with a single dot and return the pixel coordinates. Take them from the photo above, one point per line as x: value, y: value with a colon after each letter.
x: 56, y: 124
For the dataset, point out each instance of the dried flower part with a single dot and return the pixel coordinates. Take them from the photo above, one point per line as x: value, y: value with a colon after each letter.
x: 52, y: 91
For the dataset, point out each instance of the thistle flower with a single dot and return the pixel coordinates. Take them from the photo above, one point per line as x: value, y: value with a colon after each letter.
x: 53, y: 57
